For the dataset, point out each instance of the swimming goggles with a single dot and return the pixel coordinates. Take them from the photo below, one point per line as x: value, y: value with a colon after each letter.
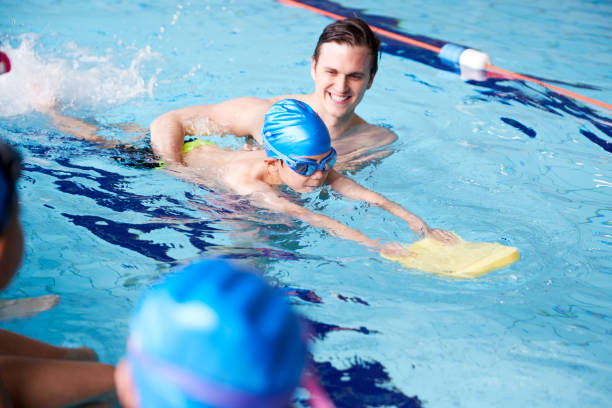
x: 306, y: 167
x: 10, y: 169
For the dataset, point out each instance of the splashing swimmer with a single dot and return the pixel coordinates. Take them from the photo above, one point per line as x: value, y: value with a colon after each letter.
x: 343, y: 67
x: 299, y: 155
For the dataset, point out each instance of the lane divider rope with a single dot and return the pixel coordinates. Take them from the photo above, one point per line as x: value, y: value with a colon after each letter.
x: 468, y: 59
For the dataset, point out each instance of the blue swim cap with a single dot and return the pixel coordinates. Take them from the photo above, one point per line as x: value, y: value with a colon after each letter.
x: 295, y: 130
x: 215, y: 335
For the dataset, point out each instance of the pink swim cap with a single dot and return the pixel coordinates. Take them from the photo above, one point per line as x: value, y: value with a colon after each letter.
x: 5, y: 63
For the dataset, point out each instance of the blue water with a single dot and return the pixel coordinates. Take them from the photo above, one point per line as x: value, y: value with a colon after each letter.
x: 499, y: 161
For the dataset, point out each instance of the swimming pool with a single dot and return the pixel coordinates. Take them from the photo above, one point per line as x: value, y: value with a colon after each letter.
x: 501, y: 161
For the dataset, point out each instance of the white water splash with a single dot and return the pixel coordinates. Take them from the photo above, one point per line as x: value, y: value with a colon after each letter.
x: 78, y: 80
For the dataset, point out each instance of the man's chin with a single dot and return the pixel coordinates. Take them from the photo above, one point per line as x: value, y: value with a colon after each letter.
x: 338, y: 109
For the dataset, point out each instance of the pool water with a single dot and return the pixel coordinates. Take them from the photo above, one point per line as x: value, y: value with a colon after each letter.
x: 498, y: 161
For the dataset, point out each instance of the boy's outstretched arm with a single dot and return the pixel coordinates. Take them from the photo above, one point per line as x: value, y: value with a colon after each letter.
x: 273, y: 202
x: 240, y: 117
x: 350, y: 189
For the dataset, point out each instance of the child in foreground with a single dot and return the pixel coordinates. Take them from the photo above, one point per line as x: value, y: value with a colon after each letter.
x: 297, y: 154
x: 33, y: 373
x: 214, y: 335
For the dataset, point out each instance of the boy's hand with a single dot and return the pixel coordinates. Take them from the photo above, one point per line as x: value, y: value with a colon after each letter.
x: 441, y: 235
x: 394, y: 250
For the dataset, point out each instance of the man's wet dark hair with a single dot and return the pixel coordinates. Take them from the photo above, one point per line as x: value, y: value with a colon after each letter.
x: 354, y: 32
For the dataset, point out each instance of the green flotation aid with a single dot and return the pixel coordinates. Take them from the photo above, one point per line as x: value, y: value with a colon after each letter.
x: 192, y: 144
x: 188, y: 147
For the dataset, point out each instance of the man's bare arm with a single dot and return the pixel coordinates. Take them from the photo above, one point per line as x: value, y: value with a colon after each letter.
x: 240, y: 117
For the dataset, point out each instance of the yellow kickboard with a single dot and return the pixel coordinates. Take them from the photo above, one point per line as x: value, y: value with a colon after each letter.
x: 462, y: 260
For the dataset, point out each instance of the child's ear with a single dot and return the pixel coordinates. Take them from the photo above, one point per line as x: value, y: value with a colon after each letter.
x: 273, y: 165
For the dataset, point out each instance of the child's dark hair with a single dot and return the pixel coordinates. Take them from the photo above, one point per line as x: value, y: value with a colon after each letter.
x: 10, y: 169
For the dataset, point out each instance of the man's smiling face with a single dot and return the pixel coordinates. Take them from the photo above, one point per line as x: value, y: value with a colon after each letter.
x: 341, y: 75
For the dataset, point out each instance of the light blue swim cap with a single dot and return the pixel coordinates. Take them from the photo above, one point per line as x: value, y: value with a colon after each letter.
x: 215, y: 335
x: 295, y: 130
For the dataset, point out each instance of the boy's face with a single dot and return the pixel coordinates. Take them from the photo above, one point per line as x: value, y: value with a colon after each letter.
x: 300, y: 183
x: 341, y: 75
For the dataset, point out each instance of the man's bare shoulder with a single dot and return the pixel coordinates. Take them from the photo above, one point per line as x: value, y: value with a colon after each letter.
x: 380, y: 134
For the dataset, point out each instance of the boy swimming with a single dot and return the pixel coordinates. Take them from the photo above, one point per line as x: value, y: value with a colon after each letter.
x: 298, y: 154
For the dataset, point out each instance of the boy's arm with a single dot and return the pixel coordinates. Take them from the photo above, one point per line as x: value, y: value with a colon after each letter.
x: 43, y: 382
x: 352, y: 190
x: 272, y: 201
x: 240, y: 117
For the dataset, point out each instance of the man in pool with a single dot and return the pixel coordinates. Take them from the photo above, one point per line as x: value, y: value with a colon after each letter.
x: 298, y: 153
x: 343, y: 67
